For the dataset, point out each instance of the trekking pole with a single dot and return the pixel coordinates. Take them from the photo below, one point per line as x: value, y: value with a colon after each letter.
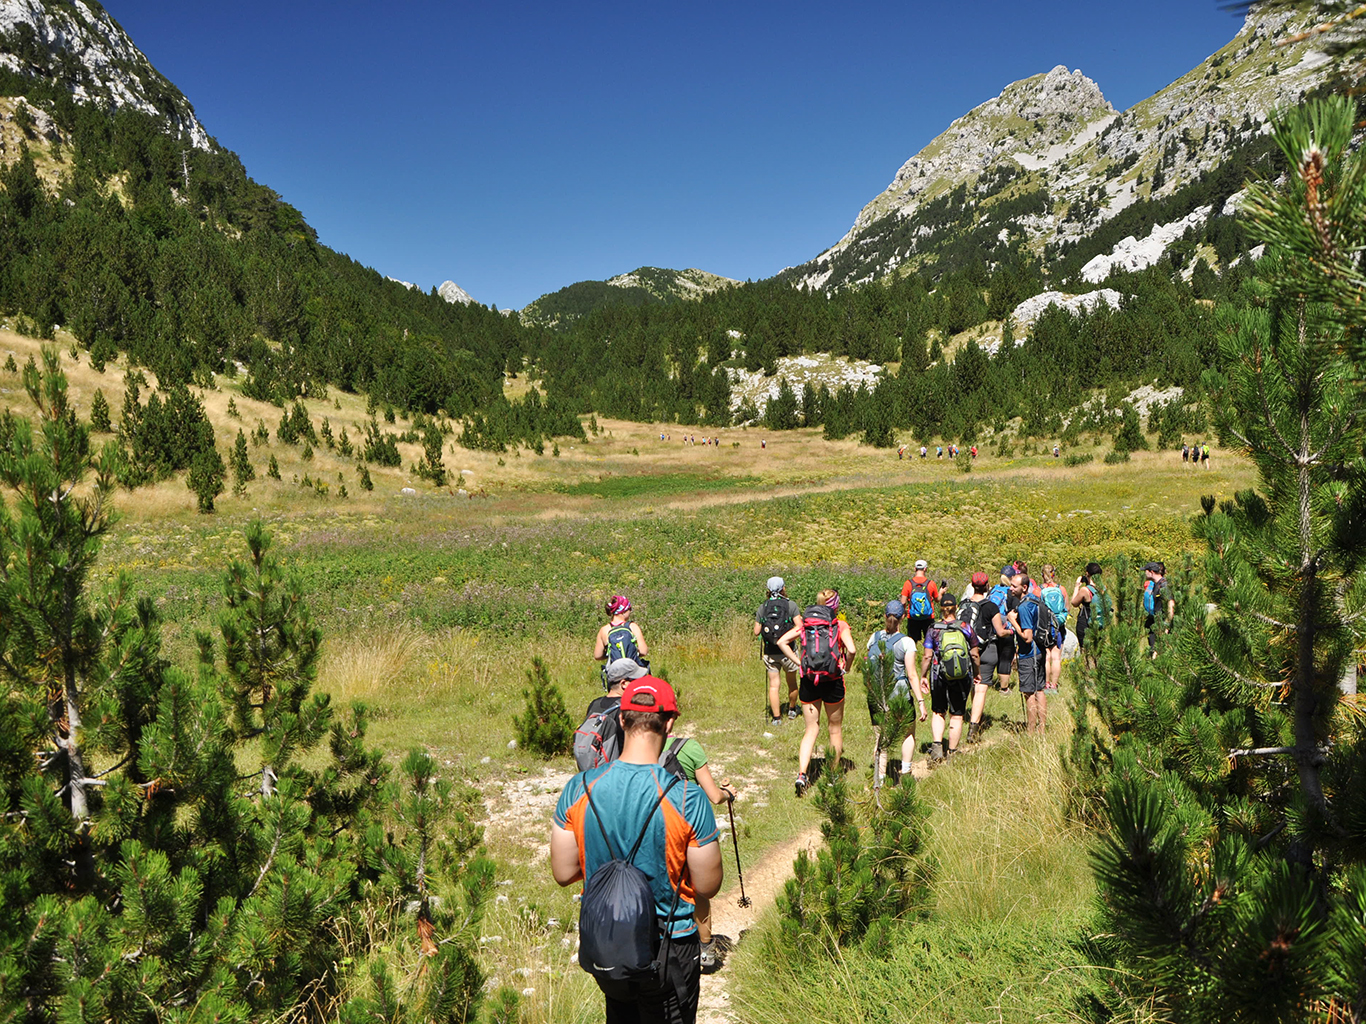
x: 744, y: 900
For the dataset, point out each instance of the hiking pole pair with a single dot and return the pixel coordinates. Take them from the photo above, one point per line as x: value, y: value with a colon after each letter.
x: 744, y: 900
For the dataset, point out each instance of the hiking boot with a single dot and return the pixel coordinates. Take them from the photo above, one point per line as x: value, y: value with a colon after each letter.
x: 802, y: 784
x: 937, y: 753
x: 793, y: 713
x: 775, y: 721
x: 709, y: 955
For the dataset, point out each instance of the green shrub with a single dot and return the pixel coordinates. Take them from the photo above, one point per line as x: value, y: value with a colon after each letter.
x: 545, y: 727
x: 206, y: 478
x: 1116, y: 457
x: 1079, y: 459
x: 99, y: 413
x: 963, y: 461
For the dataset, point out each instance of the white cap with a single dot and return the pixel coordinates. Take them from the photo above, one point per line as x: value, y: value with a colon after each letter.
x: 920, y: 563
x: 775, y: 584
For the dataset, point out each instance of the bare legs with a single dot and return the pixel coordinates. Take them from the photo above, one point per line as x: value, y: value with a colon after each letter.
x: 834, y: 720
x: 1036, y: 712
x: 775, y: 690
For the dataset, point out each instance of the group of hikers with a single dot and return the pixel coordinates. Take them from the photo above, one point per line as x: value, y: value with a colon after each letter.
x: 938, y: 451
x: 636, y: 823
x: 1195, y: 453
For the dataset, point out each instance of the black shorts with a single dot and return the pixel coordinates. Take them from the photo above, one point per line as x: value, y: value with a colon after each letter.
x: 830, y: 690
x: 917, y: 628
x: 949, y: 697
x: 1001, y: 658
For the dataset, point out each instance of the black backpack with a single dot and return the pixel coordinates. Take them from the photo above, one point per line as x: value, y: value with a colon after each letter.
x: 970, y: 615
x: 618, y: 930
x: 774, y: 621
x: 1045, y: 625
x: 621, y: 643
x: 668, y: 760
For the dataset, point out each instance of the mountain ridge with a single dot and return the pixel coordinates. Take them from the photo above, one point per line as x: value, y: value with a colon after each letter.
x: 1049, y: 161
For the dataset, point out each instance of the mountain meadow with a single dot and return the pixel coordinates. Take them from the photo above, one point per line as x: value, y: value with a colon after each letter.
x: 300, y: 569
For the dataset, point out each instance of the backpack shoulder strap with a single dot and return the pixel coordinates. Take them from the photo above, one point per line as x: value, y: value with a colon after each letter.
x: 588, y: 792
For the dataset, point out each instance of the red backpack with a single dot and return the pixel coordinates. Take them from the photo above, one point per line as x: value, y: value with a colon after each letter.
x: 820, y: 644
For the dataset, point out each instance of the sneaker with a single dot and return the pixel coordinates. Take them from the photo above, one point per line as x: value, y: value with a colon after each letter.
x: 793, y: 713
x: 709, y: 955
x: 801, y: 783
x: 775, y: 721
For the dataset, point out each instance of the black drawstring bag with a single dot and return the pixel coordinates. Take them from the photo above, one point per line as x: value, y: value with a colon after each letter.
x: 619, y: 934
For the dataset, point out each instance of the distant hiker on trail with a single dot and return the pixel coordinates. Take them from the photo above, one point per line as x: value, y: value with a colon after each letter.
x: 901, y: 453
x: 1024, y: 619
x: 983, y: 615
x: 1055, y: 451
x: 939, y: 450
x: 890, y: 643
x: 774, y: 619
x: 923, y: 451
x: 1185, y: 453
x: 918, y: 596
x: 632, y: 808
x: 1090, y: 600
x: 620, y: 638
x: 951, y: 664
x: 827, y: 647
x: 763, y: 442
x: 1157, y: 602
x: 1204, y: 455
x: 973, y: 449
x: 1058, y: 600
x: 598, y: 739
x: 685, y: 758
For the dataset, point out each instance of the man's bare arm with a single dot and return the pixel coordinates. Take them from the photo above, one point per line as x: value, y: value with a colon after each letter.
x: 704, y: 865
x: 564, y: 856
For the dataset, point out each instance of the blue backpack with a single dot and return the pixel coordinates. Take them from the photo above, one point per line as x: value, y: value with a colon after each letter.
x: 1057, y: 604
x: 621, y: 643
x: 920, y: 600
x: 999, y: 595
x: 1150, y: 597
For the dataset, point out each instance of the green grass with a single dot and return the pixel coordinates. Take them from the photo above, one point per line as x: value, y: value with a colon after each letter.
x: 1012, y: 892
x: 656, y: 486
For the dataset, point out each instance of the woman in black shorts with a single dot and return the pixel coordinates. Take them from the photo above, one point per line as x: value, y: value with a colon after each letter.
x: 827, y: 690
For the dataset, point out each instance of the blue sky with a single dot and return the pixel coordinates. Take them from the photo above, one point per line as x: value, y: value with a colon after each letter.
x: 518, y: 147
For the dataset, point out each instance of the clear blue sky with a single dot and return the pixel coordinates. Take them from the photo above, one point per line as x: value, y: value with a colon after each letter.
x: 519, y: 147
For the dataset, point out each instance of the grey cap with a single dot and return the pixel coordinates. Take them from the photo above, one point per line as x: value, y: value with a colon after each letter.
x: 775, y: 584
x: 624, y: 669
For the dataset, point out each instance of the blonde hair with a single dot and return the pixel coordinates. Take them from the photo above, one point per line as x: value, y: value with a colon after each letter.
x: 826, y: 595
x: 1050, y: 576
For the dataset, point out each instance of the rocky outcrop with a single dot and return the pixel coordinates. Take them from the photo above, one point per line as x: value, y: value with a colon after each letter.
x: 452, y: 292
x: 82, y: 45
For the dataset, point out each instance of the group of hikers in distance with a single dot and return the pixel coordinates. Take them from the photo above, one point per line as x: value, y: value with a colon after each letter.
x: 636, y: 823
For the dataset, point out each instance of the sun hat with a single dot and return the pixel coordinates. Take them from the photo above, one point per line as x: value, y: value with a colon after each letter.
x: 617, y: 604
x: 775, y: 585
x: 650, y: 695
x: 623, y: 669
x: 894, y: 609
x: 979, y: 579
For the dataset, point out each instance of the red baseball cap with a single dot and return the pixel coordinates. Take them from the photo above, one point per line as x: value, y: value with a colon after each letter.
x: 649, y: 694
x: 979, y: 579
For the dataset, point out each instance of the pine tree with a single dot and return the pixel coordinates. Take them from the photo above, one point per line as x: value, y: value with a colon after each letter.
x: 363, y: 471
x: 242, y: 470
x: 273, y: 468
x: 99, y: 414
x: 432, y: 467
x: 1231, y: 775
x: 206, y: 478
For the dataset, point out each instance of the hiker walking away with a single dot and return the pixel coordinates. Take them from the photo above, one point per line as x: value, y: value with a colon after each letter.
x: 632, y: 809
x: 952, y: 662
x: 1024, y: 618
x: 685, y: 758
x: 1185, y: 453
x: 1055, y: 451
x: 923, y: 450
x: 775, y: 617
x: 1058, y: 600
x: 598, y: 739
x: 889, y: 642
x: 918, y: 595
x: 1004, y: 659
x: 1157, y: 602
x: 827, y: 646
x: 939, y: 452
x: 620, y: 638
x: 1204, y: 455
x: 1090, y: 601
x: 983, y: 616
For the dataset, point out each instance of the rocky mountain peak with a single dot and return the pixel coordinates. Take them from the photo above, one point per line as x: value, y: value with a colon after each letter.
x: 452, y: 292
x: 78, y: 43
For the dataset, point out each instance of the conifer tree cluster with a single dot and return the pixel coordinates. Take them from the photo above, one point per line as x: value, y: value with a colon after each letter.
x: 1230, y: 771
x: 182, y: 845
